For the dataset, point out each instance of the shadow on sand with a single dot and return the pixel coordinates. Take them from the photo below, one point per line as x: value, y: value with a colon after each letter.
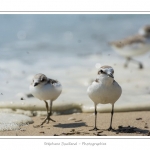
x: 71, y: 125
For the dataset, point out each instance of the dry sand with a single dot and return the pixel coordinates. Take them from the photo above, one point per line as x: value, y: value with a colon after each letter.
x: 79, y: 124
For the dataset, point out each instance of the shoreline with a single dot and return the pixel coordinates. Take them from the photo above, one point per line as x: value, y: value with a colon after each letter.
x: 78, y: 124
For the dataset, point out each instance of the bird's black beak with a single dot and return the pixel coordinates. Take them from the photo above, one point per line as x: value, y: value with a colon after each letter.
x: 110, y: 75
x: 35, y: 84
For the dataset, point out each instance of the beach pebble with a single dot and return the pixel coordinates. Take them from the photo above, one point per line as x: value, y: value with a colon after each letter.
x: 78, y: 120
x: 138, y: 118
x: 42, y: 132
x: 146, y: 126
x: 71, y: 118
x: 56, y: 135
x: 22, y: 130
x: 148, y: 134
x: 73, y: 130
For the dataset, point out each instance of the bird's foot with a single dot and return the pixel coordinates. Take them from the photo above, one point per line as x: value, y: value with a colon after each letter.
x: 94, y: 129
x: 47, y: 119
x: 110, y: 129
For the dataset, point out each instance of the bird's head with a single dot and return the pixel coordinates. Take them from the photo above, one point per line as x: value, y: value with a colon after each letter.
x: 145, y: 31
x: 39, y: 79
x: 106, y: 71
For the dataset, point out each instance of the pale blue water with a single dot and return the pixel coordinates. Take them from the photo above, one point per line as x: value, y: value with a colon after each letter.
x: 66, y: 48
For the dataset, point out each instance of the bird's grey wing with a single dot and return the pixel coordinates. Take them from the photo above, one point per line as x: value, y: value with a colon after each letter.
x: 51, y: 81
x: 129, y: 41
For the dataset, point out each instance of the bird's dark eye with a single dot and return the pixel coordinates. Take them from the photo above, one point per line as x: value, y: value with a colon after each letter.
x: 42, y: 80
x: 101, y: 71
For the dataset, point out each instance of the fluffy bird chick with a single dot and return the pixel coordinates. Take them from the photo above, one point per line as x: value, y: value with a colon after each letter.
x: 45, y: 89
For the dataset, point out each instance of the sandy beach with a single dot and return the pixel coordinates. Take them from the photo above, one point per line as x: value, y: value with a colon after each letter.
x: 79, y: 124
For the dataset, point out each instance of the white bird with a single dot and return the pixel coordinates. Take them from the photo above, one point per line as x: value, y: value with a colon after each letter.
x: 134, y: 45
x: 104, y: 90
x: 45, y: 89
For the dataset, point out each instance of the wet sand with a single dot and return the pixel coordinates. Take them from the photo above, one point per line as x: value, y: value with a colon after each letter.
x: 79, y: 124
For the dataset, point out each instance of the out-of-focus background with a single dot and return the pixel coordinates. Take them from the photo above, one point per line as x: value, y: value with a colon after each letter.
x: 69, y: 48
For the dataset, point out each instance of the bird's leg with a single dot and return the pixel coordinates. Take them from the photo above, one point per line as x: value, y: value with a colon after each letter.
x: 112, y: 112
x: 139, y: 63
x: 95, y: 128
x: 127, y: 62
x: 48, y: 113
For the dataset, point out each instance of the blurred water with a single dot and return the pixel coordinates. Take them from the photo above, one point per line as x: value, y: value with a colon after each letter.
x: 68, y: 48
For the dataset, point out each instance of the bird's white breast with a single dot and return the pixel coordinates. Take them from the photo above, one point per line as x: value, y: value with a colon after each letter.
x: 134, y: 49
x: 101, y: 93
x: 47, y: 91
